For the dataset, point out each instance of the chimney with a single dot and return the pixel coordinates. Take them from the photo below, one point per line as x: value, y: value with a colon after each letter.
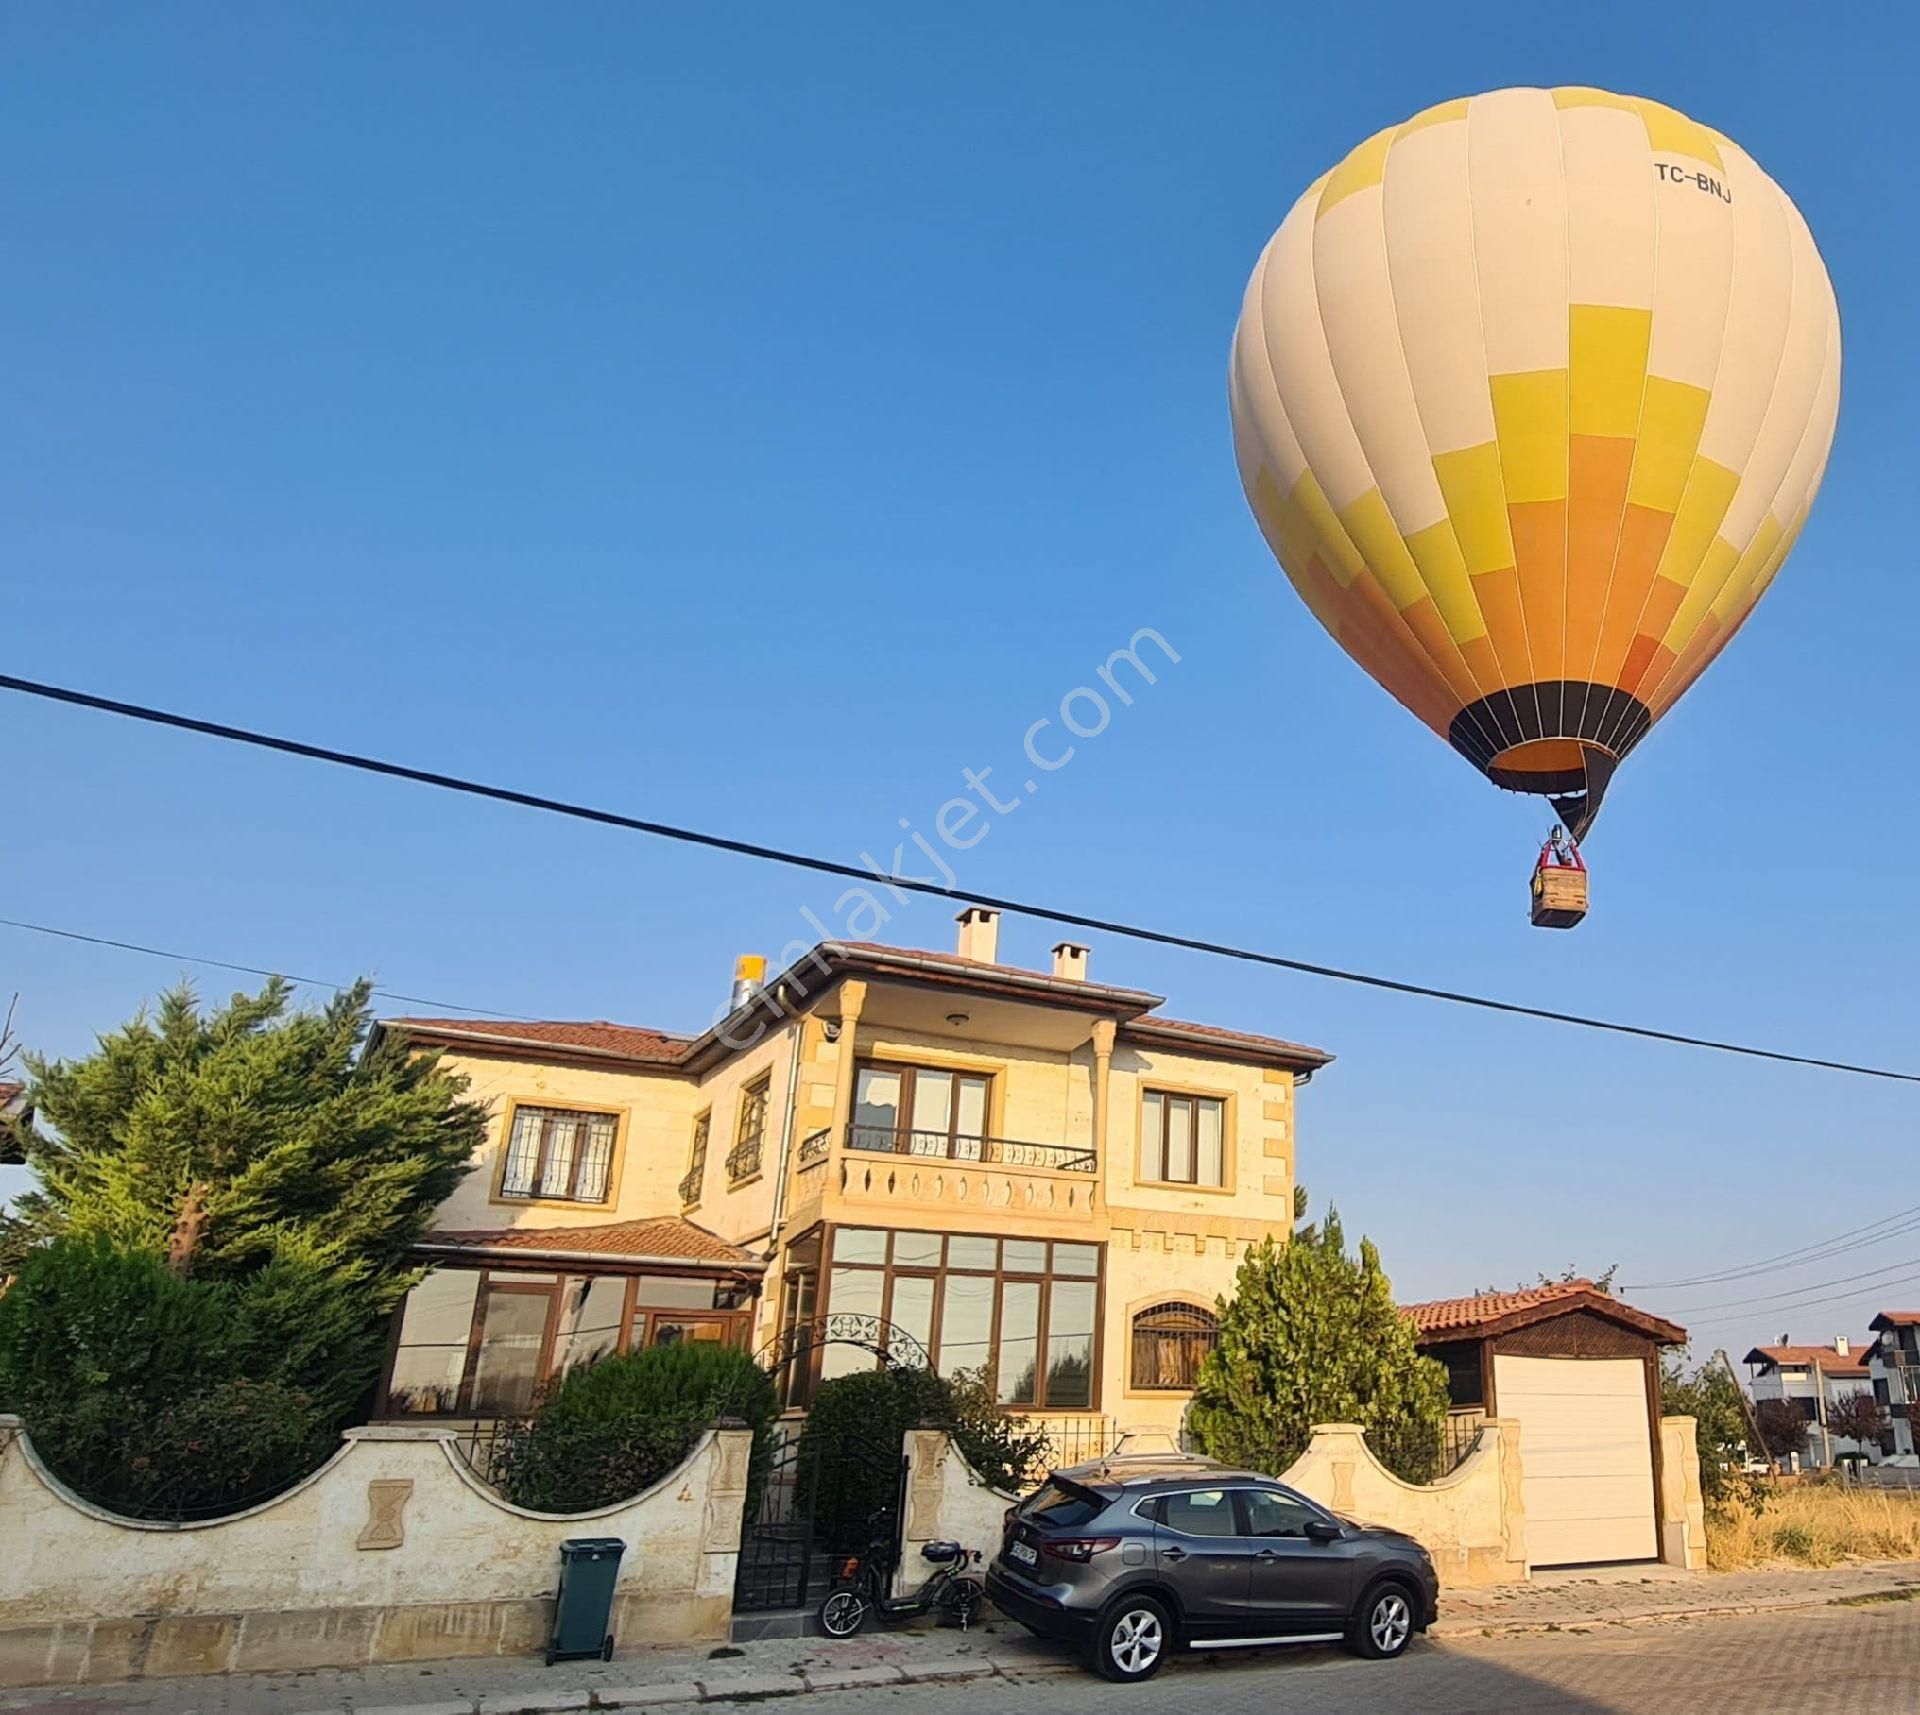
x: 979, y: 933
x: 1070, y: 961
x: 1840, y: 1346
x: 749, y: 976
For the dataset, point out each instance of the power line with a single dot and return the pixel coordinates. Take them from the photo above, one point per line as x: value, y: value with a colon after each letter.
x: 1821, y: 1250
x: 827, y: 866
x: 228, y: 965
x: 1804, y: 1286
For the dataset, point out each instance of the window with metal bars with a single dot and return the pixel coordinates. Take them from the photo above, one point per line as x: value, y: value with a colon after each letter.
x: 750, y: 1131
x: 690, y: 1187
x: 560, y: 1154
x: 1170, y: 1342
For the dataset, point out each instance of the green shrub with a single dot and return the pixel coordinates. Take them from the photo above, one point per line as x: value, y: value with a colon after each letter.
x: 1004, y: 1451
x: 150, y: 1394
x: 612, y: 1430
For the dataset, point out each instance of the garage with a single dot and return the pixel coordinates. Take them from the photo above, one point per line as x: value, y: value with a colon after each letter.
x: 1580, y: 1372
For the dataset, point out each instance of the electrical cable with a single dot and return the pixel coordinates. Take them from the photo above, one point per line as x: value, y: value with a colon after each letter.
x: 247, y: 970
x: 827, y: 866
x: 1821, y: 1250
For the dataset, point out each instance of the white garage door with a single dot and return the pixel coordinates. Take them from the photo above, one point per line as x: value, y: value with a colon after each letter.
x: 1587, y: 1449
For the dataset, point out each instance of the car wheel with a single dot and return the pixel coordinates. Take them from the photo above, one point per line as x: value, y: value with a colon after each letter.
x: 1382, y: 1625
x: 1132, y: 1640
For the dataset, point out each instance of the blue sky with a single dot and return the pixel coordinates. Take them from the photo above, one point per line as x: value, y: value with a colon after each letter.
x: 754, y: 417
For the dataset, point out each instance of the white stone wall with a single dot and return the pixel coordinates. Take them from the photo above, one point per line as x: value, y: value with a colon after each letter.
x: 392, y: 1551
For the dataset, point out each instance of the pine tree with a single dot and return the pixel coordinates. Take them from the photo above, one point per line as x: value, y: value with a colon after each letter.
x: 1312, y: 1335
x: 250, y: 1135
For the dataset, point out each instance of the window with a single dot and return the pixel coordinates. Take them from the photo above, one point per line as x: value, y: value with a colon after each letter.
x: 1809, y: 1409
x: 1883, y: 1390
x: 1182, y: 1139
x: 920, y: 1110
x: 486, y: 1342
x: 750, y: 1132
x: 1269, y: 1513
x: 1024, y: 1309
x: 1198, y: 1512
x: 1169, y: 1343
x: 690, y: 1187
x: 556, y: 1153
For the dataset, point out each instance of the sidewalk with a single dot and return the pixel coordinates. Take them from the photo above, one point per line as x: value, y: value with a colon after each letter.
x: 778, y: 1668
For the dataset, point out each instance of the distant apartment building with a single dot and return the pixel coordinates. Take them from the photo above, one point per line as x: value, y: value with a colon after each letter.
x: 1813, y: 1378
x: 1893, y: 1363
x: 936, y: 1154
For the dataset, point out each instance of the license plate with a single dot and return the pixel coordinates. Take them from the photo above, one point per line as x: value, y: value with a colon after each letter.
x: 1021, y: 1552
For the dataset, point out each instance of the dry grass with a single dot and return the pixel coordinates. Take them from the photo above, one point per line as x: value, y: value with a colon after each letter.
x: 1816, y: 1524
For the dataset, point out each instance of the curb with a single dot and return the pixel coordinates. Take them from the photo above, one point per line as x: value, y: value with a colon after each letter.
x: 740, y: 1688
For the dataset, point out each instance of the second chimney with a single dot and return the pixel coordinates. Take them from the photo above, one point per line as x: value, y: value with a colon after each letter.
x: 979, y: 933
x: 1070, y: 961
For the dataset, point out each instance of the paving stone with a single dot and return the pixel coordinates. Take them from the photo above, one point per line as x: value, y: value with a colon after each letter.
x: 848, y: 1678
x: 719, y: 1690
x: 951, y: 1667
x: 646, y: 1696
x: 465, y: 1708
x: 535, y: 1702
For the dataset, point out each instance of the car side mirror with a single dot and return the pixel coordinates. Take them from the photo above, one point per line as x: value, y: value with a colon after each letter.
x: 1322, y: 1531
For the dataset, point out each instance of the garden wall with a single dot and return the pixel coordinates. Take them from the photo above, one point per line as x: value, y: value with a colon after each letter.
x: 392, y: 1551
x: 1473, y: 1521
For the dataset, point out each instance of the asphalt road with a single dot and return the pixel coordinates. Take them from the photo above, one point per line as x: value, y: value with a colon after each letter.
x: 1862, y: 1661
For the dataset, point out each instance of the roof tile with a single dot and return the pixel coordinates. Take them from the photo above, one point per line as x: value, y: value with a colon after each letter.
x: 1852, y: 1366
x: 597, y: 1035
x: 661, y: 1237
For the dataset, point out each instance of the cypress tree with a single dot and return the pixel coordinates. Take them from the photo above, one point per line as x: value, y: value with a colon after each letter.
x: 1312, y: 1335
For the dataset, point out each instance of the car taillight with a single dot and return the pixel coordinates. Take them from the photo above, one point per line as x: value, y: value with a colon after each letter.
x: 1080, y: 1548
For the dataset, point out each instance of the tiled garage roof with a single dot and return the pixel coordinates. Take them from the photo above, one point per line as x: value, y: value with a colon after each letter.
x: 1466, y: 1318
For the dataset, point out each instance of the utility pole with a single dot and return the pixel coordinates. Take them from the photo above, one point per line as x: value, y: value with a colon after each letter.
x: 1758, y: 1443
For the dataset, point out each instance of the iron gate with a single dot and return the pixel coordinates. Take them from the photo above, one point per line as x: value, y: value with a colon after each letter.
x: 825, y: 1494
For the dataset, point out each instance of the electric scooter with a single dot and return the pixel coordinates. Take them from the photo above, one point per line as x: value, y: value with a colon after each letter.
x: 951, y: 1590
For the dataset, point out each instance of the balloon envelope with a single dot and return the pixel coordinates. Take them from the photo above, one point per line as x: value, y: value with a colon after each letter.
x: 1531, y: 395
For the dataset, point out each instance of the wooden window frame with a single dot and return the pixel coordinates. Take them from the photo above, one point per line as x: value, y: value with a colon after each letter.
x: 738, y: 1324
x: 1169, y: 1094
x: 616, y: 1157
x: 759, y: 1088
x: 1046, y: 1278
x: 908, y: 1071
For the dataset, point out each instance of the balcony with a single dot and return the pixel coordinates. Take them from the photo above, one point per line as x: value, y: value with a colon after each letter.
x: 954, y: 1172
x: 987, y: 1151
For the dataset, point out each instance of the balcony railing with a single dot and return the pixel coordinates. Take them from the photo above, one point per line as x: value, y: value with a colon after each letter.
x: 989, y: 1151
x: 690, y: 1187
x: 813, y: 1148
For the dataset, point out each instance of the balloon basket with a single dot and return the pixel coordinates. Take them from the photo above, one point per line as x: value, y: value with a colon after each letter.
x: 1559, y: 897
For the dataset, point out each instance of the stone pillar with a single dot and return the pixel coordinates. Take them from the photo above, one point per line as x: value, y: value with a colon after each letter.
x: 1683, y: 1513
x: 1102, y: 1076
x: 853, y: 996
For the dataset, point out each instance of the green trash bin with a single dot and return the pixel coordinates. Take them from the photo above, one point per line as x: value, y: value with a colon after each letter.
x: 583, y: 1609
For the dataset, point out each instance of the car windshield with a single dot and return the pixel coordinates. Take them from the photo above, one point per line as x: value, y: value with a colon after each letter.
x: 1062, y: 1505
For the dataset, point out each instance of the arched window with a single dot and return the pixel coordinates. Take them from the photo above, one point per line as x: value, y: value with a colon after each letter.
x: 1169, y: 1342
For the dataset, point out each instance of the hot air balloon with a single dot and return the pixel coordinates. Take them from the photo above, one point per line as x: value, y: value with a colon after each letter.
x: 1531, y: 395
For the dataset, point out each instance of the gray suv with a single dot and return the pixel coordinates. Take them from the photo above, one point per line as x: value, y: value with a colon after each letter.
x: 1134, y: 1556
